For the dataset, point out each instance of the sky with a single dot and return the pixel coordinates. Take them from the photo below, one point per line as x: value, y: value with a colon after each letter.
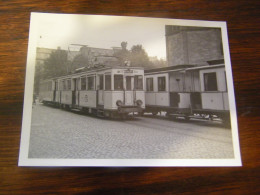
x: 62, y: 30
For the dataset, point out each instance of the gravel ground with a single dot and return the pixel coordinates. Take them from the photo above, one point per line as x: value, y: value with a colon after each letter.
x: 59, y: 134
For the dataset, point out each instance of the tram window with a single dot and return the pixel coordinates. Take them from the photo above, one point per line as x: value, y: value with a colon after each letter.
x: 138, y: 81
x: 78, y: 84
x: 101, y: 78
x: 56, y: 85
x: 68, y: 84
x: 128, y: 83
x: 161, y: 84
x: 108, y: 82
x: 83, y: 83
x: 149, y: 84
x: 60, y: 85
x: 91, y: 83
x: 210, y: 81
x: 63, y: 85
x: 50, y: 86
x: 118, y: 82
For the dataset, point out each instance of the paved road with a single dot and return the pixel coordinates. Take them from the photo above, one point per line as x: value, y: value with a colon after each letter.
x: 57, y: 133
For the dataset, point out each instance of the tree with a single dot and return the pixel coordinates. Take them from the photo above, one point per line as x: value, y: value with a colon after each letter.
x: 57, y: 64
x: 158, y: 63
x: 124, y: 45
x: 123, y: 54
x: 139, y: 57
x: 82, y: 59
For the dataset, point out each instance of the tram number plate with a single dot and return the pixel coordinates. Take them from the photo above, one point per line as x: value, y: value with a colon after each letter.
x: 129, y: 71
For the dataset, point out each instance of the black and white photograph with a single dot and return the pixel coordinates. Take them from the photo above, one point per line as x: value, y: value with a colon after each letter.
x: 128, y: 91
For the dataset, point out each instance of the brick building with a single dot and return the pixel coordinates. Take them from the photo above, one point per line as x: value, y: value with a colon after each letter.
x: 192, y: 45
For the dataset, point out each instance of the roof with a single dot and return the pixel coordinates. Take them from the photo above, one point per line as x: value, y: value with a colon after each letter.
x: 181, y: 68
x: 169, y: 68
x: 93, y: 69
x: 206, y: 67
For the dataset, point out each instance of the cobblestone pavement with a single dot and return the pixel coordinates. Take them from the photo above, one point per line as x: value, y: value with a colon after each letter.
x: 57, y: 133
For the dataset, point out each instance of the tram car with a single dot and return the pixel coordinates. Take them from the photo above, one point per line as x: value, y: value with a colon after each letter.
x: 106, y: 91
x: 188, y: 91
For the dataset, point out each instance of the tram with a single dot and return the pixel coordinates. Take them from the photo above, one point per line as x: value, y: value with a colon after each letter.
x: 188, y: 91
x: 105, y: 91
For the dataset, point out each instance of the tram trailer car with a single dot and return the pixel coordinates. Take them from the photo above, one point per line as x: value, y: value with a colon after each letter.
x: 188, y: 91
x: 47, y: 91
x: 107, y: 91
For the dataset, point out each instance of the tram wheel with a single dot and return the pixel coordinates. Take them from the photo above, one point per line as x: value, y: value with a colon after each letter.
x: 140, y: 113
x: 124, y: 116
x: 168, y: 114
x: 187, y: 118
x: 154, y: 113
x: 111, y: 115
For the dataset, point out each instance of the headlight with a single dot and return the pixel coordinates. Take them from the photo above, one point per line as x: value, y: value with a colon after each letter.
x: 119, y: 103
x: 139, y: 102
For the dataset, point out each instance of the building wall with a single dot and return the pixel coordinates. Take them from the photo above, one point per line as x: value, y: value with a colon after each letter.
x: 42, y: 54
x: 90, y: 55
x: 193, y: 45
x: 175, y: 50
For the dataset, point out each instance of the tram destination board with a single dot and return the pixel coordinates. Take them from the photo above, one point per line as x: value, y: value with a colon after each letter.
x: 128, y: 91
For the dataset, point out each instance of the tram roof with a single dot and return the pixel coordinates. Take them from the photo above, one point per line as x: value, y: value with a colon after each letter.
x: 93, y: 69
x: 206, y: 67
x: 181, y: 68
x: 168, y: 69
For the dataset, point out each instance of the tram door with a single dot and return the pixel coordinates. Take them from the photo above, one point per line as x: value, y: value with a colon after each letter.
x: 129, y: 93
x: 100, y: 90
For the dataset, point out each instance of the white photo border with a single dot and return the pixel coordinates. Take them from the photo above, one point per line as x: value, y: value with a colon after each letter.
x: 28, y: 99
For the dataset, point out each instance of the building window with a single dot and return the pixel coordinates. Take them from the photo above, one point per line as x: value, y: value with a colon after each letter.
x: 101, y: 78
x: 149, y: 84
x: 138, y: 82
x: 118, y: 82
x: 107, y: 82
x: 91, y: 83
x: 210, y: 81
x: 83, y: 83
x: 161, y: 84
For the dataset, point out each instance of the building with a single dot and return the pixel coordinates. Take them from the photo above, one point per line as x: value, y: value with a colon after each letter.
x: 42, y: 54
x: 90, y: 56
x: 83, y: 56
x: 193, y: 45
